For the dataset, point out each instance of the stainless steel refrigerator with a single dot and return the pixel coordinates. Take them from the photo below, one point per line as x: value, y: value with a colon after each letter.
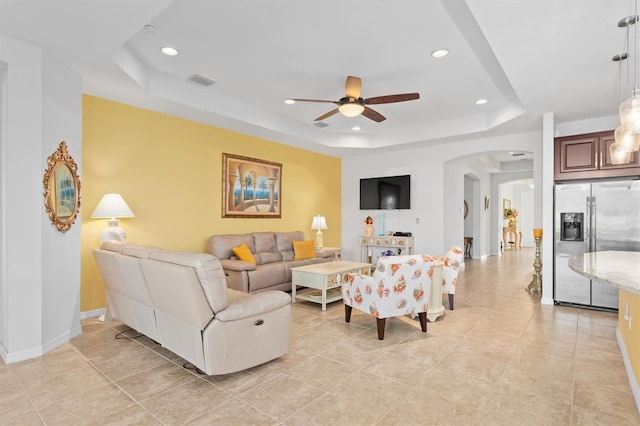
x: 595, y: 216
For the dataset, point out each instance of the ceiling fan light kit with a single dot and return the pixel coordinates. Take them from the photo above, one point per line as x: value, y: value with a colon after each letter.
x: 352, y: 105
x: 627, y: 136
x: 351, y: 109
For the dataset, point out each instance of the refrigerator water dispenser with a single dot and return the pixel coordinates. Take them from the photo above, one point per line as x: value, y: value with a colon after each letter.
x: 572, y: 227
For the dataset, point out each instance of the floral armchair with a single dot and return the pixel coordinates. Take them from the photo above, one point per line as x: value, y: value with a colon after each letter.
x: 400, y: 285
x: 452, y: 261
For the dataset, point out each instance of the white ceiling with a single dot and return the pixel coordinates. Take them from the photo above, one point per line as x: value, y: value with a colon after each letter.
x: 524, y: 57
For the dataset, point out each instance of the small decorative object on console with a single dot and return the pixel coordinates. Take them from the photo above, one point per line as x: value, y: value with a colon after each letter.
x: 368, y: 226
x: 381, y: 226
x: 511, y: 215
x: 402, y: 234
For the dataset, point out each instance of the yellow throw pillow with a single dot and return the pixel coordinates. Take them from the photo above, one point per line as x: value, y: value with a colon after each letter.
x: 303, y: 250
x: 243, y: 253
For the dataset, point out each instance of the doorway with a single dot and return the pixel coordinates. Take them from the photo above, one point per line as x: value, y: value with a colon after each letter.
x: 519, y: 193
x: 474, y: 206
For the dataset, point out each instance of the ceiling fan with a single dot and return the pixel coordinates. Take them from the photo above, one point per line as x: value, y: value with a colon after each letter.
x: 353, y: 105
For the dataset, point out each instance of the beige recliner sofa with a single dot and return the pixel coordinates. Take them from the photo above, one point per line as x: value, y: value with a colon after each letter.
x: 181, y: 300
x: 274, y: 255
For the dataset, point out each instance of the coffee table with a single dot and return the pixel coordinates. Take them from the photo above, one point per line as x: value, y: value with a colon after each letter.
x: 324, y: 277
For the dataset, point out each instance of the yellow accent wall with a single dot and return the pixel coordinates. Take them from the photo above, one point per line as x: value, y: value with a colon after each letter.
x: 169, y: 171
x: 631, y: 337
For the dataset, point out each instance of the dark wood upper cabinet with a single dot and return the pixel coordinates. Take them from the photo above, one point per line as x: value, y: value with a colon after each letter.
x: 587, y: 156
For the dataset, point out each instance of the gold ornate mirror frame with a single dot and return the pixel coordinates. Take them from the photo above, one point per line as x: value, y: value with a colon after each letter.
x: 61, y: 188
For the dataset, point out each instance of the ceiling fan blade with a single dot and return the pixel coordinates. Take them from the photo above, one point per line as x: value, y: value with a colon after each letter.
x: 373, y: 115
x: 314, y: 100
x: 353, y: 87
x: 327, y: 115
x: 389, y: 99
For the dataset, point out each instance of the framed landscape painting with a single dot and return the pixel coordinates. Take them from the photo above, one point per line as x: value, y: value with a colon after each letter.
x: 250, y: 187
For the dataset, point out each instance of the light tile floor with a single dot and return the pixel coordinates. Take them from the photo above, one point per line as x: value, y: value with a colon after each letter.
x: 500, y: 358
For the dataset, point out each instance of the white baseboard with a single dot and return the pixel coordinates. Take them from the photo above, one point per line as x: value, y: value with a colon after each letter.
x: 92, y: 314
x: 627, y: 365
x: 10, y: 357
x: 62, y: 339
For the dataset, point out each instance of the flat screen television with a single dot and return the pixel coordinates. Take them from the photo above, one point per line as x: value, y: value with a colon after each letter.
x: 385, y: 193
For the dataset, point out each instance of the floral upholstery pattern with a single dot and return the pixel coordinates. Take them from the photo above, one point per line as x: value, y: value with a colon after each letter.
x: 452, y: 261
x: 400, y: 285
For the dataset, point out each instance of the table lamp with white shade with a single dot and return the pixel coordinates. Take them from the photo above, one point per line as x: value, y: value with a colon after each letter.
x: 319, y: 223
x: 112, y: 207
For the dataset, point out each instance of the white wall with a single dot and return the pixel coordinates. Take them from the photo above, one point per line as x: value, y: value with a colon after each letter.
x: 468, y: 198
x: 525, y: 201
x: 543, y: 194
x: 61, y: 121
x: 3, y: 290
x: 21, y: 194
x: 40, y: 275
x: 437, y: 196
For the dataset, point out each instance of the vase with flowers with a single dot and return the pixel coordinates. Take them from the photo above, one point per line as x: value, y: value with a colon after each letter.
x: 511, y: 215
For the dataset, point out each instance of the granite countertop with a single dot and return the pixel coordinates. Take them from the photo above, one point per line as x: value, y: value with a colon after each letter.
x: 619, y: 269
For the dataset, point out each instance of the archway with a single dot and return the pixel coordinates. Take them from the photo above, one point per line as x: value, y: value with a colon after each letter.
x: 478, y: 176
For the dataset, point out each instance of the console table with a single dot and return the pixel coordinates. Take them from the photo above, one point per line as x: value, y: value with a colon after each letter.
x: 511, y: 234
x: 368, y: 242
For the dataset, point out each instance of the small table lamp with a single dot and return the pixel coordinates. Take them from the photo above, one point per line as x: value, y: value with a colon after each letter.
x: 319, y: 223
x: 112, y: 207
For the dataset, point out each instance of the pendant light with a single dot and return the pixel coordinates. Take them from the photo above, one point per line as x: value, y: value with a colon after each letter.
x: 620, y: 151
x: 627, y: 135
x: 630, y: 108
x: 618, y: 156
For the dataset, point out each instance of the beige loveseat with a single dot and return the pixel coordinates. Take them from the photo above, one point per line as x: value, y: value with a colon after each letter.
x: 274, y: 255
x: 181, y: 300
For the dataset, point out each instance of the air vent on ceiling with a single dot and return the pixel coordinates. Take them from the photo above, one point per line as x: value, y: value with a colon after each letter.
x: 203, y: 81
x: 517, y: 154
x: 320, y: 124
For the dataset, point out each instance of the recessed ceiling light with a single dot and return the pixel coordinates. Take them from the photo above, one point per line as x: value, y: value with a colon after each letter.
x: 481, y: 101
x: 356, y: 128
x: 151, y: 29
x: 169, y: 51
x: 289, y: 101
x: 440, y: 53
